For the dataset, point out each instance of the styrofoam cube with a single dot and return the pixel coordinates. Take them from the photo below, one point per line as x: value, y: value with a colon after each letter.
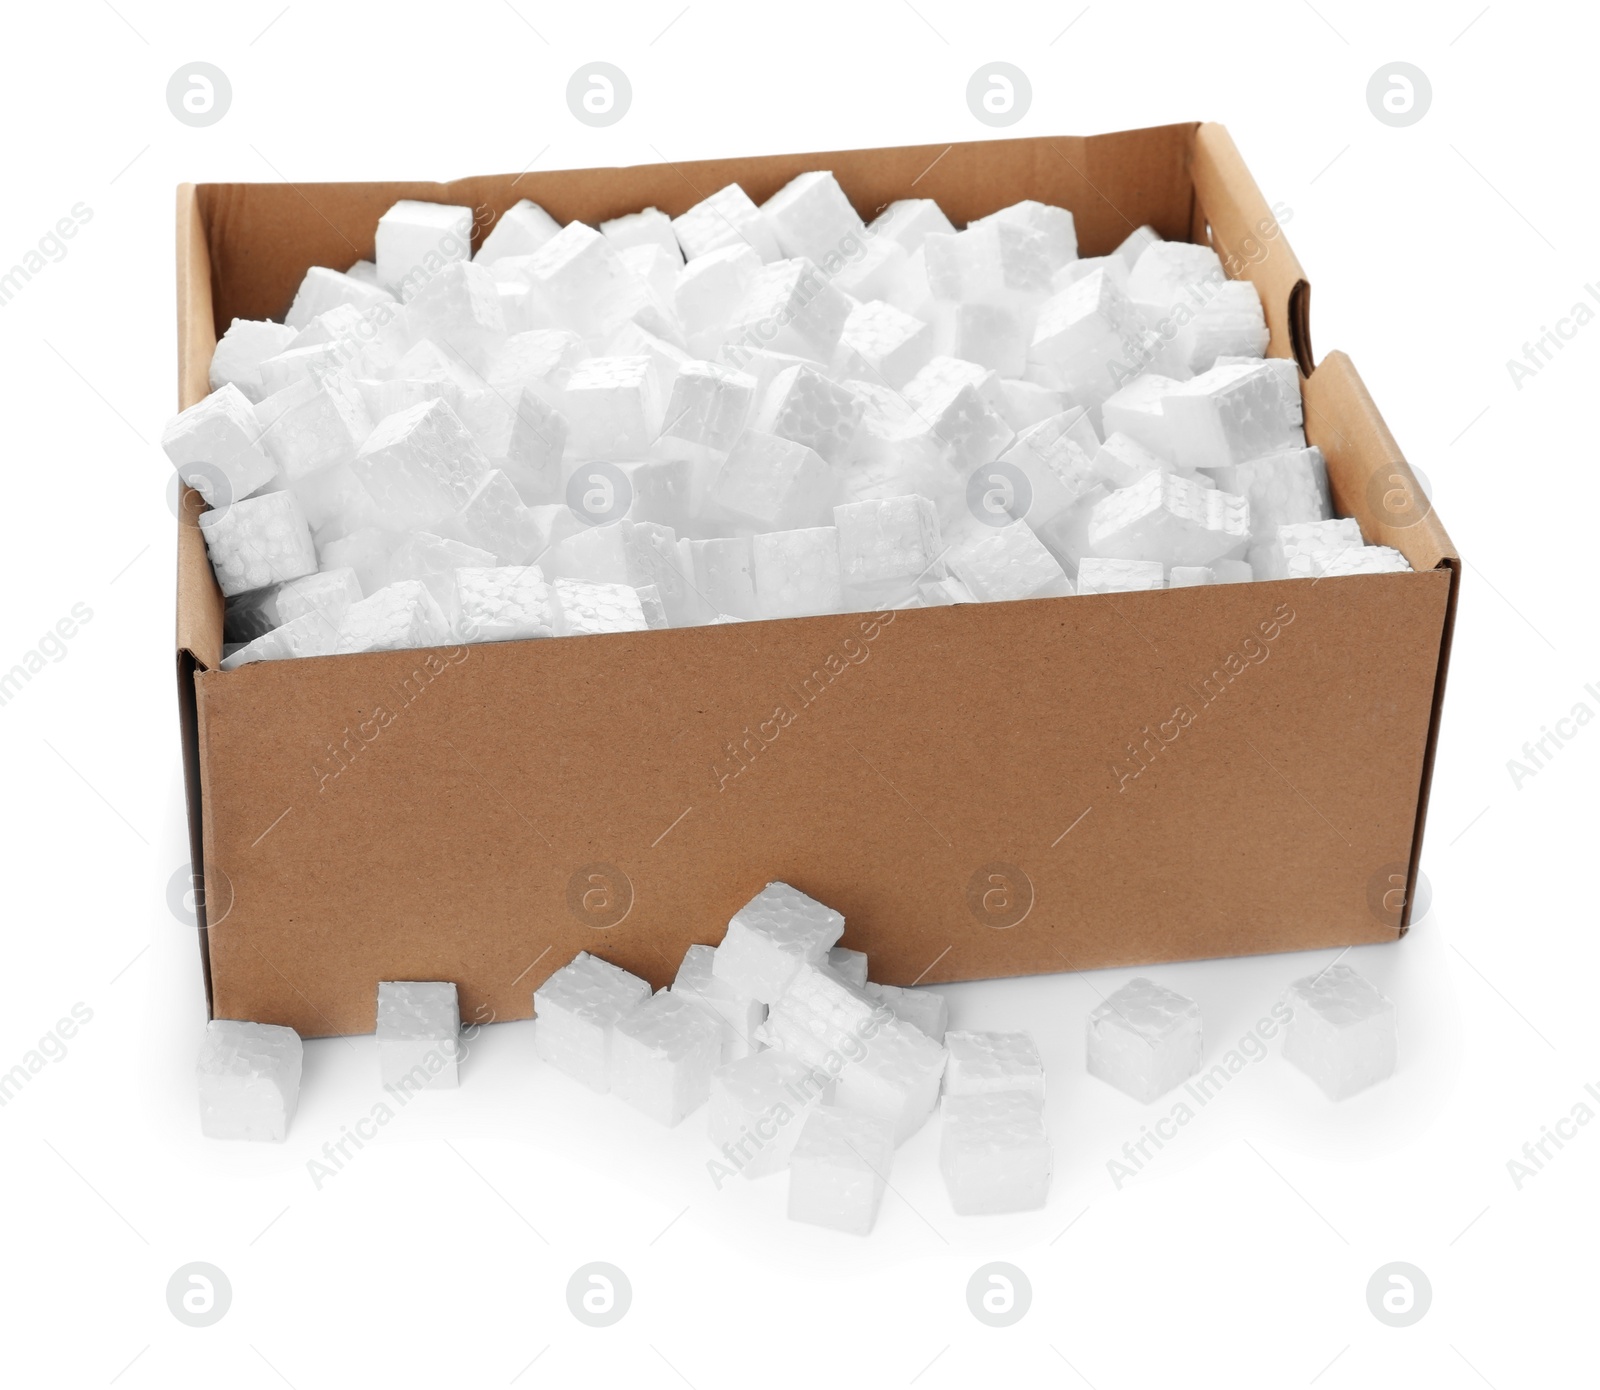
x: 584, y: 609
x: 883, y: 344
x: 790, y: 306
x: 663, y: 1051
x: 774, y: 484
x: 1169, y: 273
x: 523, y: 435
x: 1167, y: 517
x: 1370, y: 559
x: 1053, y: 224
x: 870, y: 268
x: 1231, y: 322
x: 1088, y: 336
x: 366, y: 550
x: 215, y: 447
x: 519, y: 231
x: 991, y: 262
x: 1059, y: 473
x: 708, y: 290
x: 908, y: 221
x: 649, y: 227
x: 1342, y: 1033
x: 1122, y: 461
x: 1000, y: 563
x: 420, y: 466
x: 1101, y: 576
x: 459, y: 311
x: 313, y: 424
x: 576, y: 1011
x: 955, y: 401
x: 496, y: 519
x: 542, y: 359
x: 579, y: 277
x: 312, y: 362
x: 994, y: 1152
x: 739, y: 1014
x: 759, y: 1104
x: 416, y: 240
x: 434, y: 560
x: 1190, y: 576
x: 1024, y: 403
x: 839, y: 1168
x: 241, y: 351
x: 1144, y: 1039
x: 850, y: 966
x: 328, y: 595
x: 811, y: 217
x: 249, y: 1077
x: 886, y: 546
x: 984, y: 1062
x: 709, y: 405
x: 1304, y: 550
x: 726, y: 218
x: 768, y: 939
x: 1282, y: 489
x: 796, y: 573
x: 397, y: 617
x: 310, y: 634
x: 804, y: 406
x: 1232, y: 414
x: 989, y: 334
x: 323, y: 289
x: 1135, y: 244
x: 1136, y: 411
x: 503, y: 603
x: 419, y: 1034
x: 258, y: 541
x: 921, y: 1008
x: 719, y: 576
x: 612, y: 407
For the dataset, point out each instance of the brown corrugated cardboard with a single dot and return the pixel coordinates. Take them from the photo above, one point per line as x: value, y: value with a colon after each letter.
x: 984, y: 790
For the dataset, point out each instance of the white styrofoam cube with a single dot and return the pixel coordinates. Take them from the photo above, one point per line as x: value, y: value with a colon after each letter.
x: 310, y: 362
x: 759, y: 1104
x: 1232, y: 414
x: 434, y: 560
x: 719, y: 576
x: 1059, y: 473
x: 768, y: 939
x: 580, y: 280
x: 1054, y: 224
x: 811, y: 217
x: 956, y: 401
x: 584, y: 609
x: 327, y: 594
x: 419, y: 1028
x: 323, y: 289
x: 1134, y: 245
x: 839, y: 1168
x: 994, y: 1152
x: 416, y: 240
x: 249, y: 1079
x: 883, y: 344
x: 886, y: 545
x: 1369, y: 559
x: 1282, y: 489
x: 1144, y: 1039
x: 1136, y: 411
x: 502, y: 603
x: 990, y: 262
x: 1024, y: 403
x: 803, y: 405
x: 774, y: 484
x: 1101, y: 576
x: 1088, y: 337
x: 613, y: 407
x: 542, y: 359
x: 663, y: 1051
x: 1304, y: 550
x: 790, y: 306
x: 990, y: 334
x: 1001, y: 563
x: 850, y: 966
x: 908, y: 221
x: 519, y: 231
x: 1342, y: 1033
x: 1167, y: 517
x: 258, y: 541
x: 796, y: 573
x: 648, y: 227
x: 420, y: 466
x: 1230, y: 323
x: 310, y: 634
x: 921, y: 1008
x: 1122, y: 461
x: 215, y: 447
x: 984, y: 1062
x: 496, y: 519
x: 708, y: 290
x: 241, y: 351
x: 397, y: 617
x: 313, y: 424
x: 1190, y: 576
x: 366, y: 550
x: 709, y: 405
x: 726, y: 218
x: 740, y: 1014
x: 1169, y: 273
x: 459, y: 311
x: 576, y: 1012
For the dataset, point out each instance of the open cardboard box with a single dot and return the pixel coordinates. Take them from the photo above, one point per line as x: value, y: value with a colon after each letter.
x: 983, y: 790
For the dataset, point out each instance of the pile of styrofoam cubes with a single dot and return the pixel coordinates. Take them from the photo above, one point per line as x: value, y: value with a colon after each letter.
x: 808, y: 1066
x: 742, y: 412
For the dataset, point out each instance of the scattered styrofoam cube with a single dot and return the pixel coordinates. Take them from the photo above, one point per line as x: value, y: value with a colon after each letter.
x: 435, y: 560
x: 1232, y: 414
x: 709, y: 288
x: 1342, y: 1031
x: 241, y: 351
x: 886, y: 546
x: 258, y: 541
x: 582, y: 609
x: 796, y: 573
x: 419, y: 1027
x: 1100, y: 576
x: 416, y: 240
x: 503, y: 603
x: 740, y: 1014
x: 1088, y: 337
x: 1370, y: 559
x: 249, y: 1076
x: 323, y: 289
x: 1144, y: 1039
x: 649, y: 227
x: 811, y: 217
x: 850, y: 966
x: 612, y: 407
x: 310, y: 634
x: 771, y: 937
x: 1053, y: 224
x: 759, y: 1104
x: 459, y: 311
x: 1232, y: 322
x: 215, y: 446
x: 839, y: 1168
x: 398, y: 616
x: 921, y: 1008
x: 313, y: 424
x: 994, y: 1152
x: 496, y: 519
x: 984, y: 1062
x: 519, y: 231
x: 576, y: 1012
x: 420, y: 466
x: 726, y: 218
x: 1304, y: 550
x: 663, y: 1051
x: 886, y: 345
x: 1166, y: 517
x: 790, y: 306
x: 773, y: 483
x: 804, y: 406
x: 1000, y: 563
x: 908, y: 221
x: 719, y: 577
x: 709, y: 405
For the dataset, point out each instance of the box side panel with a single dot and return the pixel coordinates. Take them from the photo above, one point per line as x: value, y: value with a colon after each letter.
x: 1158, y: 776
x: 263, y: 237
x: 199, y: 599
x: 1233, y: 216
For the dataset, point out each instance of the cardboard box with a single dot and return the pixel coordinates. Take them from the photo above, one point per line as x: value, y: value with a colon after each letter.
x: 987, y: 790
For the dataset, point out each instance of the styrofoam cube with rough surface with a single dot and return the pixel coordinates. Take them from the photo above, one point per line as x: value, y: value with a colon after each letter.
x: 885, y: 546
x: 310, y: 634
x: 1167, y: 517
x: 1088, y: 337
x: 804, y: 406
x: 759, y: 1103
x: 774, y: 484
x: 883, y: 344
x: 576, y: 1012
x: 258, y: 541
x: 249, y: 1080
x: 1304, y: 550
x: 1341, y: 1032
x: 647, y: 227
x: 583, y: 609
x: 420, y: 465
x: 1235, y: 413
x: 994, y: 1152
x: 771, y: 937
x: 710, y: 404
x: 415, y: 240
x: 739, y: 1014
x: 790, y: 306
x: 984, y: 1062
x: 314, y: 424
x: 520, y: 231
x: 908, y: 221
x: 719, y: 578
x: 613, y: 408
x: 811, y: 216
x: 241, y: 351
x: 322, y: 289
x: 496, y: 519
x: 459, y: 310
x: 663, y: 1051
x: 505, y: 603
x: 839, y: 1169
x: 419, y: 1035
x: 796, y: 573
x: 398, y: 617
x: 1144, y: 1039
x: 434, y: 560
x: 850, y: 966
x: 215, y: 445
x: 725, y: 218
x: 1101, y: 576
x: 1002, y: 563
x: 923, y: 1009
x: 708, y: 290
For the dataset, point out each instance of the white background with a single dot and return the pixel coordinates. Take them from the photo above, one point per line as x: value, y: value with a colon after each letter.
x: 1241, y: 1255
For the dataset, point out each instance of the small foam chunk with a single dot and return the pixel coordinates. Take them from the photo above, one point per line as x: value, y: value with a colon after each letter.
x: 1144, y: 1039
x: 420, y: 466
x: 419, y: 1028
x: 953, y: 398
x: 908, y: 222
x: 804, y: 406
x: 584, y: 609
x: 981, y: 1063
x: 434, y: 560
x: 709, y: 405
x: 241, y: 351
x: 502, y: 604
x: 1136, y: 411
x: 399, y: 616
x: 258, y: 541
x: 796, y: 573
x: 850, y: 966
x: 775, y: 484
x: 496, y: 519
x: 322, y: 289
x: 994, y: 1153
x: 921, y: 1008
x: 884, y: 344
x: 1000, y: 563
x: 520, y: 231
x: 812, y: 217
x: 416, y: 239
x: 1370, y: 559
x: 459, y: 311
x: 1086, y: 335
x: 1304, y: 550
x: 649, y: 227
x: 215, y: 446
x: 885, y: 546
x: 576, y: 1012
x: 308, y: 635
x: 839, y: 1168
x: 719, y: 577
x: 1099, y: 576
x: 1342, y: 1031
x: 739, y: 1014
x: 249, y: 1075
x: 663, y: 1052
x: 790, y: 306
x: 1232, y: 414
x: 1282, y: 489
x: 709, y: 289
x: 726, y: 218
x: 312, y: 425
x: 613, y: 407
x: 759, y: 1105
x: 771, y: 937
x: 1169, y: 518
x: 1053, y: 224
